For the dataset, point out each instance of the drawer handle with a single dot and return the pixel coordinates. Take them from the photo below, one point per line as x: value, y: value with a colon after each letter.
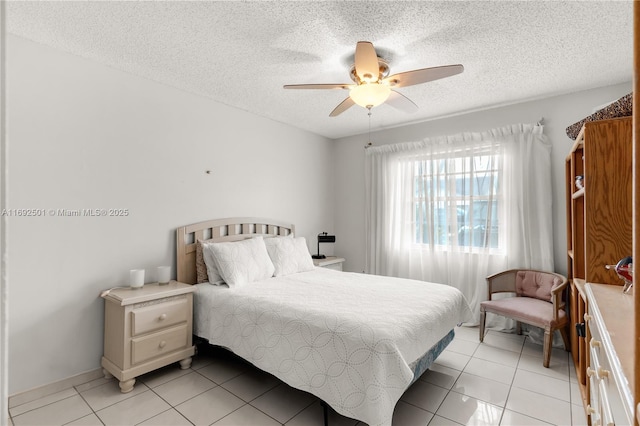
x: 594, y: 343
x: 590, y: 371
x: 162, y: 344
x: 162, y: 317
x: 587, y: 317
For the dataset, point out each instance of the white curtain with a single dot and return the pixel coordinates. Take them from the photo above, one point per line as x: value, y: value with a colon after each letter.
x: 456, y: 209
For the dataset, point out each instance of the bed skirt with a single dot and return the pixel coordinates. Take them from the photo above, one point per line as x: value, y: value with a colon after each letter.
x: 421, y: 365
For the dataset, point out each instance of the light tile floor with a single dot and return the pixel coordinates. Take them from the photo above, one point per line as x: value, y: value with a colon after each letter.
x: 498, y: 382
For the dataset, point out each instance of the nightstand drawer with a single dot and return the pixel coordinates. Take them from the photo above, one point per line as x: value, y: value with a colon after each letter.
x: 158, y: 316
x: 144, y: 348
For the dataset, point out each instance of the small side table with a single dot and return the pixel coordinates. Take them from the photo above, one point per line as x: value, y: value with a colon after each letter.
x: 330, y: 262
x: 145, y: 329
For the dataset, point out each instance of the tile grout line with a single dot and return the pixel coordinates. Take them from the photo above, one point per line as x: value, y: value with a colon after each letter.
x: 47, y: 405
x: 171, y: 406
x: 533, y: 372
x: 249, y: 402
x: 88, y: 405
x: 506, y: 401
x: 450, y: 390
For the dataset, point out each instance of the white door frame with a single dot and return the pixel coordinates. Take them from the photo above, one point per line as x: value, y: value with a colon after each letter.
x: 4, y: 303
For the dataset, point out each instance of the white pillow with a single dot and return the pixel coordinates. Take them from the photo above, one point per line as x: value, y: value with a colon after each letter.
x: 212, y: 269
x: 289, y: 255
x: 241, y: 262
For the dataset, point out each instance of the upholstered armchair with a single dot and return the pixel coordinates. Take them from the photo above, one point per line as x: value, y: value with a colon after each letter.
x: 538, y: 301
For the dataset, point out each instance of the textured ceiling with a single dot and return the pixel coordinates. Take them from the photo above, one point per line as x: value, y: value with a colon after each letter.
x: 242, y: 53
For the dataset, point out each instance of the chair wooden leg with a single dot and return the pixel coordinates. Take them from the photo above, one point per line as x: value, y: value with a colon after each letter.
x: 482, y: 321
x: 565, y: 338
x: 546, y: 354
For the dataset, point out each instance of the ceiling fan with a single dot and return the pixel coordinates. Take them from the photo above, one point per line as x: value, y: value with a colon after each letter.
x: 372, y: 84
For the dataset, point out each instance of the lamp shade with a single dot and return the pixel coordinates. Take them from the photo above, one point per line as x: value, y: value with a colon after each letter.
x: 370, y: 95
x: 323, y: 237
x: 326, y: 238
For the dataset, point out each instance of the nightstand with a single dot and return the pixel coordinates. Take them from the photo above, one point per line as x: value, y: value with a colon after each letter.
x: 145, y: 329
x: 330, y: 262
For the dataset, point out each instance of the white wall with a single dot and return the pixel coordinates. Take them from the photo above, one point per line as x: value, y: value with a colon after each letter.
x: 559, y: 112
x: 83, y: 135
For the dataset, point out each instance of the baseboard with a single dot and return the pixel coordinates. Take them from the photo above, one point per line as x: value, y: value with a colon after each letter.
x: 42, y: 391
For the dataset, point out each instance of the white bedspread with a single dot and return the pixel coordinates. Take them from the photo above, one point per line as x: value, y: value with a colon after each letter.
x: 346, y: 338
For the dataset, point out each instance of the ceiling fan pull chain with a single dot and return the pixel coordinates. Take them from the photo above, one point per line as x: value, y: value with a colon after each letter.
x: 369, y: 144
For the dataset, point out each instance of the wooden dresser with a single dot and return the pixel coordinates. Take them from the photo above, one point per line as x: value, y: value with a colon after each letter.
x: 611, y: 369
x: 599, y: 231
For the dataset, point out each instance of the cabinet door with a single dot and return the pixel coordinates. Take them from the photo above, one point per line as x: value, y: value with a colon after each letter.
x: 608, y: 199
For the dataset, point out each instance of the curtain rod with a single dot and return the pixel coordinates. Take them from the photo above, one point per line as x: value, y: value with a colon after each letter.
x: 540, y: 122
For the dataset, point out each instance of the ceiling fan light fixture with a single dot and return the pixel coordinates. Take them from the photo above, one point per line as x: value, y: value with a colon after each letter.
x: 370, y: 95
x: 372, y: 83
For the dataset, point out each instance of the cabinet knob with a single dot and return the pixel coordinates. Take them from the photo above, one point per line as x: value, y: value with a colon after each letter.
x: 587, y: 317
x: 602, y: 372
x: 590, y: 371
x: 594, y: 343
x: 162, y: 344
x: 590, y: 410
x: 162, y: 317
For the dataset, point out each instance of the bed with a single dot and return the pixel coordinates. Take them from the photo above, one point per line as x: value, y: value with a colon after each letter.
x: 355, y: 341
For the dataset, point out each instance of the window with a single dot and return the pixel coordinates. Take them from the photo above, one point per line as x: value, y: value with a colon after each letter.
x: 455, y: 209
x: 456, y: 199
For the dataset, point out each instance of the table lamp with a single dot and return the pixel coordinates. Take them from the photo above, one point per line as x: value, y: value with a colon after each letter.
x: 323, y: 238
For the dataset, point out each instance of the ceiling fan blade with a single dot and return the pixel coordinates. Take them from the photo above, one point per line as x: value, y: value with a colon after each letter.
x: 423, y: 75
x: 366, y: 62
x: 318, y: 86
x: 344, y: 105
x: 401, y: 102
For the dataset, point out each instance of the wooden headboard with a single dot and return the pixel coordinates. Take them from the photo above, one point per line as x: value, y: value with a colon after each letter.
x: 221, y: 230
